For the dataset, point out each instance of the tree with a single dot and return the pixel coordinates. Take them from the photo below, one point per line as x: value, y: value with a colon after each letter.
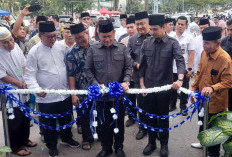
x: 80, y: 7
x: 134, y: 6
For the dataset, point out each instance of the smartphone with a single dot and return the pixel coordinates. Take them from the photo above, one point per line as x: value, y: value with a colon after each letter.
x: 34, y: 8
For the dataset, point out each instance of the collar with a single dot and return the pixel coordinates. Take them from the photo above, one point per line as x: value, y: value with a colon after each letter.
x: 47, y: 46
x: 90, y: 44
x: 4, y: 50
x: 182, y: 35
x: 100, y: 45
x: 164, y: 39
x: 215, y: 54
x: 147, y: 35
x: 230, y: 38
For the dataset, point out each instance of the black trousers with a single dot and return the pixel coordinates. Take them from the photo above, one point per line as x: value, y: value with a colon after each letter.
x: 183, y: 97
x: 85, y: 125
x: 50, y: 136
x: 158, y: 103
x: 213, y: 151
x: 230, y: 99
x: 140, y: 103
x: 132, y: 98
x: 106, y: 130
x: 19, y: 129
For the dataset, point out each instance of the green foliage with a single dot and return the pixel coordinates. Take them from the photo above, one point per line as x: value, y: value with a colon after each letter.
x: 221, y: 132
x: 80, y: 7
x: 227, y: 147
x: 212, y: 136
x: 222, y: 122
x: 134, y: 6
x: 4, y: 150
x: 49, y: 7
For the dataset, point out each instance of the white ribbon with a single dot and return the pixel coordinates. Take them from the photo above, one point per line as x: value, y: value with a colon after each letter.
x: 104, y: 90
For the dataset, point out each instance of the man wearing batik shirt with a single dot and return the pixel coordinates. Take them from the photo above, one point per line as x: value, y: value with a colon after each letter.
x: 75, y: 62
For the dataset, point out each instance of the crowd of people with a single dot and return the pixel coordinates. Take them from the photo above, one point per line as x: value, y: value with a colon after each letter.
x: 146, y: 51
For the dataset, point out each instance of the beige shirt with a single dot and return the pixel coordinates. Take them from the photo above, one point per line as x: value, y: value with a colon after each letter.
x: 33, y: 41
x: 125, y: 40
x: 68, y: 47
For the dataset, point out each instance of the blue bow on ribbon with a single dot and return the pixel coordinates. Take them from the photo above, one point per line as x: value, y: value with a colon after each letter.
x: 115, y: 91
x: 200, y: 99
x: 94, y: 93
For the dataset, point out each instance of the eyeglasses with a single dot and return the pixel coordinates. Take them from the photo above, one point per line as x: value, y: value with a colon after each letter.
x: 50, y: 36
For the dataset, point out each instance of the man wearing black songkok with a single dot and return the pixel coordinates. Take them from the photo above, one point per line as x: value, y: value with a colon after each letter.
x: 45, y: 69
x: 214, y: 77
x: 75, y: 62
x: 134, y: 48
x: 106, y: 62
x: 155, y: 70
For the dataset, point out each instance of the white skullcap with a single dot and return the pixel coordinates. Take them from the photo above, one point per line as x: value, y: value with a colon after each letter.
x: 4, y: 33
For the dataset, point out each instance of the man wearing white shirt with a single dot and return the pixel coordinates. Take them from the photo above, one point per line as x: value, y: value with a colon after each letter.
x: 194, y: 28
x: 187, y: 46
x: 198, y: 42
x: 121, y: 30
x: 12, y: 69
x: 45, y: 69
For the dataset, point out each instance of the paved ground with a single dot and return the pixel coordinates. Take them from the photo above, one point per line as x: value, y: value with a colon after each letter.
x: 179, y: 145
x: 179, y: 142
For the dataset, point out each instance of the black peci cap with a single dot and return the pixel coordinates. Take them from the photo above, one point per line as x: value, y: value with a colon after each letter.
x: 156, y: 19
x: 105, y: 26
x: 141, y: 15
x: 130, y: 19
x: 77, y: 28
x: 123, y: 16
x: 48, y: 26
x: 212, y: 33
x: 204, y: 21
x: 84, y: 14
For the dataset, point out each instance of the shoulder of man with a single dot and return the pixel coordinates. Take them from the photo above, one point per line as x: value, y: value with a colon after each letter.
x: 147, y: 40
x: 170, y: 38
x: 34, y: 48
x: 59, y: 44
x: 224, y: 55
x: 119, y: 44
x: 225, y: 39
x: 96, y: 45
x: 134, y: 37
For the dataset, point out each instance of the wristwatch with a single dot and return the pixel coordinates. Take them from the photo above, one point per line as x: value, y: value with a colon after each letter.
x: 180, y: 79
x: 190, y: 69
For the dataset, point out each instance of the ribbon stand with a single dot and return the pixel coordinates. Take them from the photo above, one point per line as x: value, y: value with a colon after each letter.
x: 5, y: 123
x: 206, y: 120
